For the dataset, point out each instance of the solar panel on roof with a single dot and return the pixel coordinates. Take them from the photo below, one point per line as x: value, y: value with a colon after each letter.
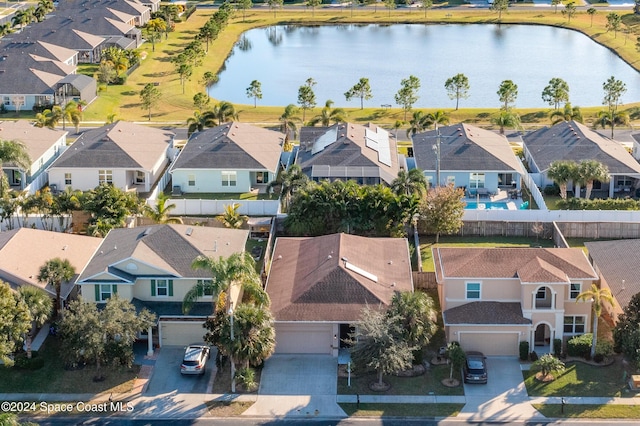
x: 379, y: 142
x: 325, y: 140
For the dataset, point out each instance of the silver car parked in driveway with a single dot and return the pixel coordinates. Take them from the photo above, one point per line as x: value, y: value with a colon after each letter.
x: 195, y: 359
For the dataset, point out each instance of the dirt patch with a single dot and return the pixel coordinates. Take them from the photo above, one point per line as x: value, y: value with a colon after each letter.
x: 453, y: 383
x: 416, y: 370
x: 377, y: 387
x: 544, y: 378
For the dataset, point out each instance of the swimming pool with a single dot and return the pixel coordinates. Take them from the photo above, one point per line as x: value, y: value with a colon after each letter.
x: 487, y: 206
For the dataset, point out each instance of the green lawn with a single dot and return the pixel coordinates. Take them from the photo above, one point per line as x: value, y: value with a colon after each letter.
x: 428, y: 383
x: 490, y: 241
x: 402, y: 410
x: 588, y: 411
x: 581, y: 379
x: 53, y: 378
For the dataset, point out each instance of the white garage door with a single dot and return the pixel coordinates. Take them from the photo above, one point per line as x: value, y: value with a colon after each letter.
x: 490, y: 343
x: 182, y: 333
x: 304, y: 338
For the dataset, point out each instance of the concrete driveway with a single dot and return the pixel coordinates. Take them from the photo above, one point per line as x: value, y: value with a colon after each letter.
x: 166, y: 377
x: 298, y: 386
x: 503, y: 398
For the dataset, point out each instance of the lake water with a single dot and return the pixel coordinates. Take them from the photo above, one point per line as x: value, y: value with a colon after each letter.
x: 336, y: 57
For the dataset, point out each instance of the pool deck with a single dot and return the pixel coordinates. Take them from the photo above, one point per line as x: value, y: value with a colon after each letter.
x: 501, y: 197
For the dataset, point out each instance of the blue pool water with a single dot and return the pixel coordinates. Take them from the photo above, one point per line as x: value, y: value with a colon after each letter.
x: 486, y: 206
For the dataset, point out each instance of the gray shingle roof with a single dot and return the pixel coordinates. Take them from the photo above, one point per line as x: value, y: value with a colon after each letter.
x: 464, y: 147
x: 486, y: 313
x: 232, y: 146
x: 166, y: 247
x: 618, y: 261
x: 573, y: 141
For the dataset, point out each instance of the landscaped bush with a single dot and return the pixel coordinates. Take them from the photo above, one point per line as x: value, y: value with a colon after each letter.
x: 246, y: 377
x: 598, y: 204
x: 557, y: 347
x: 524, y: 351
x: 604, y: 349
x: 24, y: 363
x: 533, y: 356
x: 552, y: 189
x: 580, y: 346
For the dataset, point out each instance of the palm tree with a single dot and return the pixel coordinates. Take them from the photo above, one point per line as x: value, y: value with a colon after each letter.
x: 598, y: 296
x: 231, y: 218
x: 53, y: 273
x: 43, y: 119
x: 506, y: 118
x: 5, y: 29
x: 561, y: 172
x: 155, y: 27
x: 72, y: 111
x: 239, y: 269
x: 289, y: 182
x: 40, y: 306
x: 416, y: 124
x: 160, y: 213
x: 409, y: 183
x: 418, y: 317
x: 288, y: 121
x: 199, y: 121
x: 435, y: 118
x: 225, y: 111
x: 590, y: 170
x: 12, y: 151
x: 611, y: 118
x: 328, y: 115
x: 569, y: 113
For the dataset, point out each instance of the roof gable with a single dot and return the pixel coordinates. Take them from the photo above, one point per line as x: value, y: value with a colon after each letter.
x: 37, y: 140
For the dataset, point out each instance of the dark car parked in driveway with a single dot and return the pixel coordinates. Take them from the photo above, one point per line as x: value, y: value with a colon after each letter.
x: 475, y: 368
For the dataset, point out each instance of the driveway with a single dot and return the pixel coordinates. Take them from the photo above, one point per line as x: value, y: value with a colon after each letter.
x: 298, y: 386
x: 166, y: 377
x: 503, y: 398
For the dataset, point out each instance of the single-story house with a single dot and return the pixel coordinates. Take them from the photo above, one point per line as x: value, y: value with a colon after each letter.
x: 43, y: 145
x: 617, y: 264
x: 151, y: 267
x: 573, y: 141
x: 319, y: 286
x: 494, y: 298
x: 367, y: 153
x: 234, y: 158
x: 24, y: 250
x: 466, y: 156
x: 127, y: 155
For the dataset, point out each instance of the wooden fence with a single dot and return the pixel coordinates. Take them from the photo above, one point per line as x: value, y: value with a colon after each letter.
x: 424, y: 280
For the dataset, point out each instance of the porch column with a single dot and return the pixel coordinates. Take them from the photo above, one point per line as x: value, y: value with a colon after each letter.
x: 150, y: 341
x: 611, y: 186
x: 553, y: 300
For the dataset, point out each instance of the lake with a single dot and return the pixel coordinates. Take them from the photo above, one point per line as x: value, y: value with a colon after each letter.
x: 336, y: 57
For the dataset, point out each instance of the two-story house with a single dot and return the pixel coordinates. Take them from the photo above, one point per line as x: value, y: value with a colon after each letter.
x: 494, y: 298
x: 151, y: 267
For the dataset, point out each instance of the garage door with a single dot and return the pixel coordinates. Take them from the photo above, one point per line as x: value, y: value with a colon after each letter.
x: 490, y: 343
x: 182, y: 333
x: 304, y: 338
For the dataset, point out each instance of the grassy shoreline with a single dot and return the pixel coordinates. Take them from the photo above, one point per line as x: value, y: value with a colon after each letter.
x: 175, y: 107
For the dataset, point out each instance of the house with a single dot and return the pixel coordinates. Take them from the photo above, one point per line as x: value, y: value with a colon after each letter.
x: 233, y: 158
x: 88, y: 46
x: 151, y: 267
x: 466, y: 156
x: 29, y: 72
x: 319, y: 286
x: 348, y: 151
x: 139, y: 12
x: 494, y: 298
x: 573, y: 141
x: 24, y: 250
x: 127, y: 155
x: 617, y: 263
x: 43, y: 145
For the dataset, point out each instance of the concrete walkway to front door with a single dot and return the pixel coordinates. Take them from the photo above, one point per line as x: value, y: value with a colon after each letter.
x: 298, y: 386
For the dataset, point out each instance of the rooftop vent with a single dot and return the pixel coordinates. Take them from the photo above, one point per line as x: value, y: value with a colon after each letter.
x: 189, y: 231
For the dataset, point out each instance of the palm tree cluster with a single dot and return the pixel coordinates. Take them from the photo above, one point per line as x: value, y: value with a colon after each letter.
x: 71, y: 112
x: 421, y: 121
x: 221, y: 113
x: 582, y: 173
x: 329, y: 115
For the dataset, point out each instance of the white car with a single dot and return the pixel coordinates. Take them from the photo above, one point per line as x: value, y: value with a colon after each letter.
x: 195, y: 359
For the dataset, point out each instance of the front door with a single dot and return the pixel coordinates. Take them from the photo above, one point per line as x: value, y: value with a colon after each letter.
x: 345, y: 331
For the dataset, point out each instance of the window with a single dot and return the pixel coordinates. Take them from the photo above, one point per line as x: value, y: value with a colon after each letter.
x: 105, y: 176
x: 229, y: 178
x: 105, y: 292
x: 191, y: 180
x: 476, y: 180
x: 67, y: 178
x: 208, y: 289
x: 429, y: 180
x: 574, y: 291
x: 505, y: 179
x: 7, y: 100
x: 262, y: 177
x: 139, y: 177
x: 542, y: 293
x: 451, y: 180
x: 574, y: 325
x: 473, y: 290
x: 162, y: 288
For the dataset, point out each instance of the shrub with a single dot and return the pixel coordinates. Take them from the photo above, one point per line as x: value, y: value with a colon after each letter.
x: 580, y: 346
x: 604, y: 349
x: 533, y: 356
x: 524, y: 351
x: 557, y: 347
x: 552, y: 189
x: 24, y: 363
x: 246, y: 376
x: 598, y: 204
x: 547, y: 364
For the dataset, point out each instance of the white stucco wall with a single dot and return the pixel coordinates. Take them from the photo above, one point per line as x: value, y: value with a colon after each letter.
x: 210, y: 181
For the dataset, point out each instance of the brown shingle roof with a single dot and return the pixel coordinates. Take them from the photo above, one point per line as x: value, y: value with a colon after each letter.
x: 37, y: 140
x: 333, y: 277
x: 486, y: 313
x: 512, y: 263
